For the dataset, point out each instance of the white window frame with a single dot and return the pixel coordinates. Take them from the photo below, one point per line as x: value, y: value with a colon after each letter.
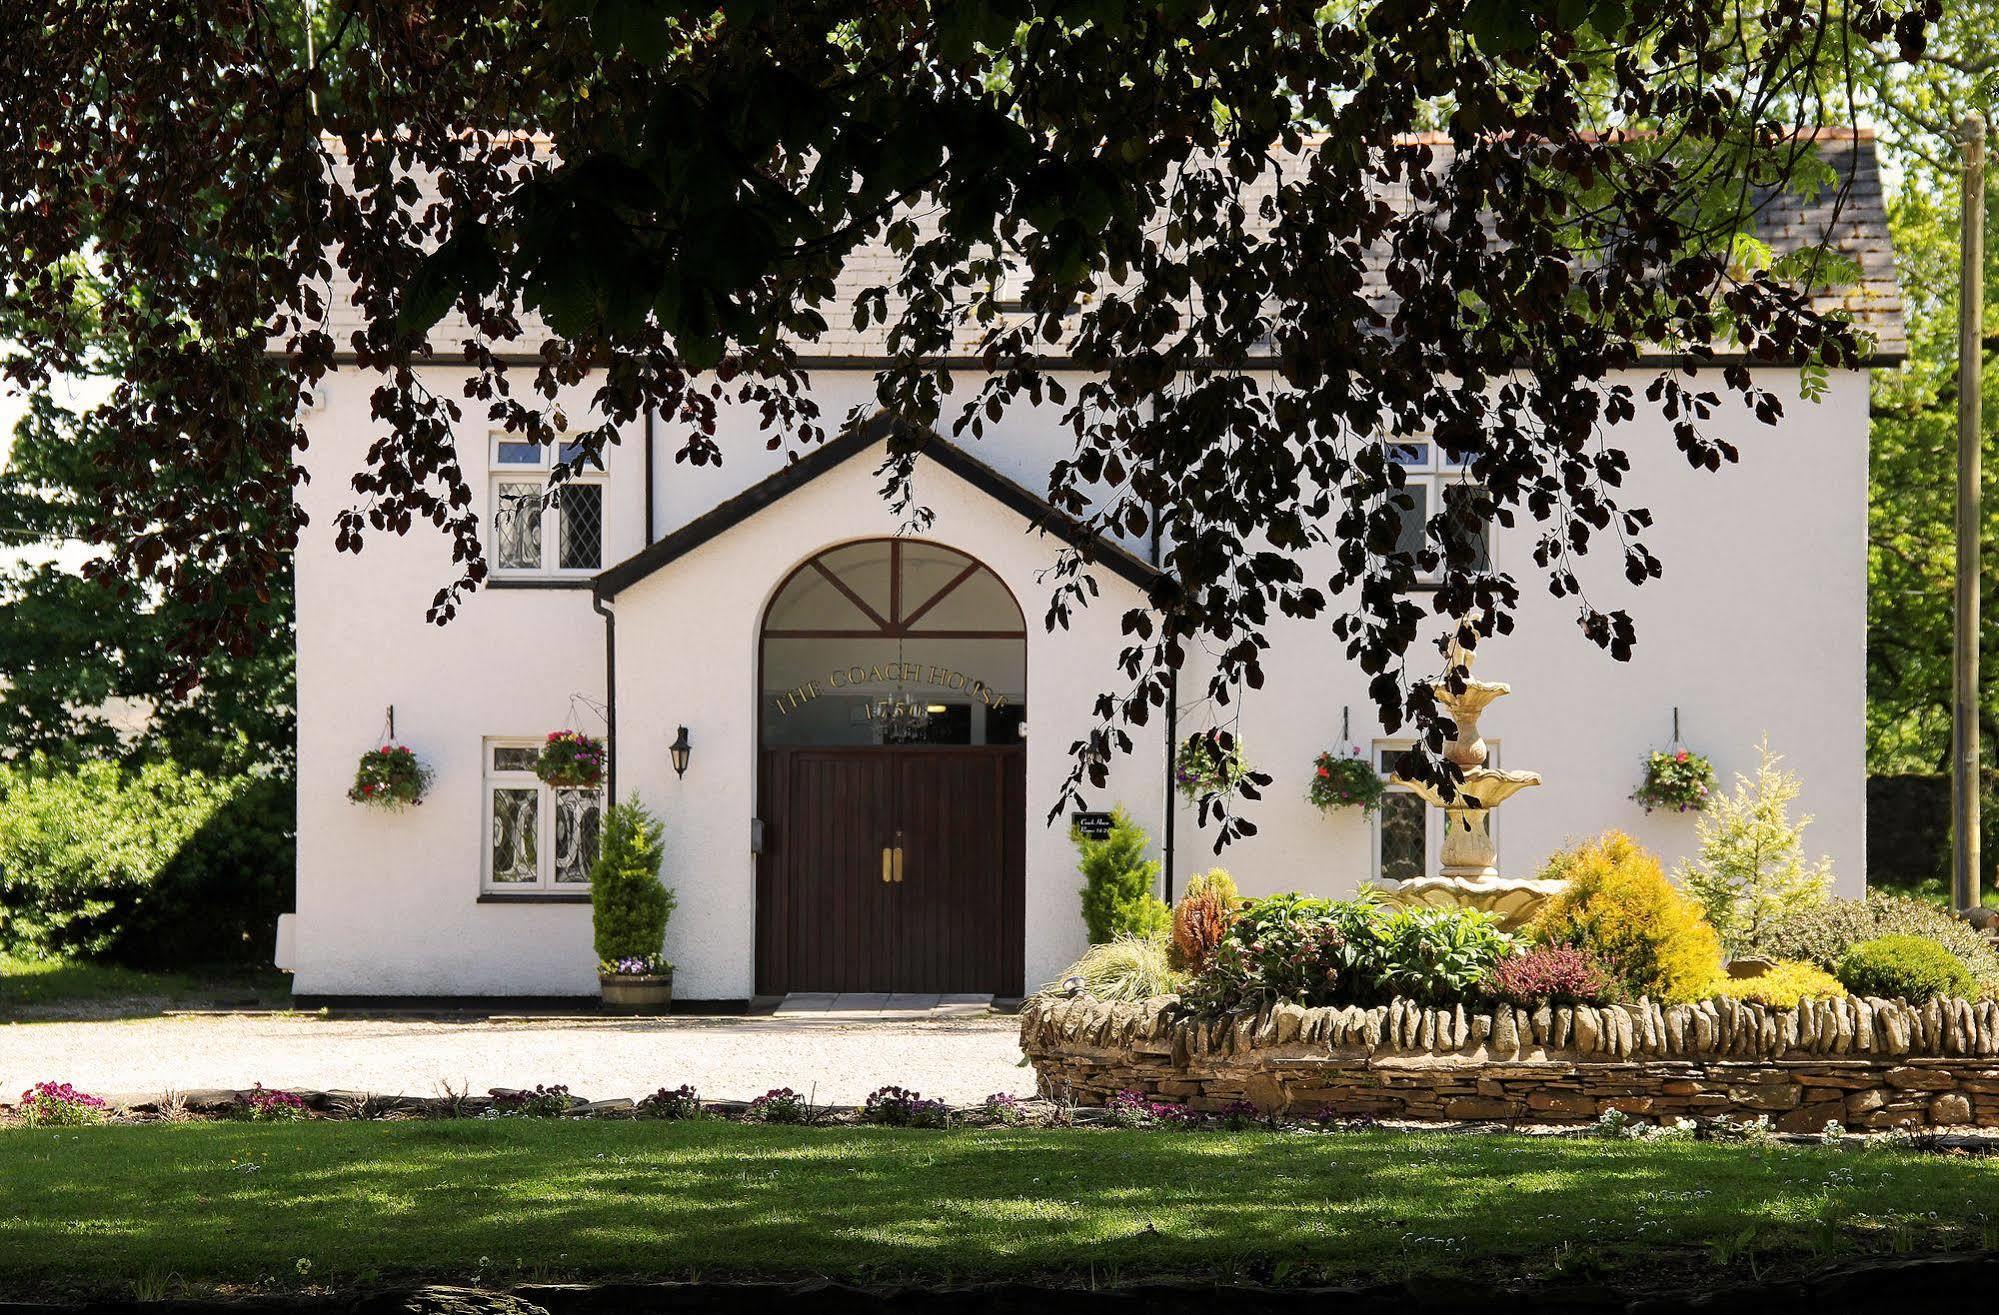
x: 493, y: 779
x: 1427, y: 466
x: 1434, y: 820
x: 538, y: 471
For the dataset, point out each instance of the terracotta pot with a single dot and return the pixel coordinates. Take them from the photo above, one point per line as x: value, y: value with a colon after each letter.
x: 636, y: 995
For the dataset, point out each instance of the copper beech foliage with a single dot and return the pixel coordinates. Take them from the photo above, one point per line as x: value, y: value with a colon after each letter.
x: 1192, y: 195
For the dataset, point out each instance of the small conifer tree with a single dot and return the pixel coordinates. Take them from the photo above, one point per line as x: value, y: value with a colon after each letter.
x: 1751, y: 873
x: 1118, y: 881
x: 629, y: 907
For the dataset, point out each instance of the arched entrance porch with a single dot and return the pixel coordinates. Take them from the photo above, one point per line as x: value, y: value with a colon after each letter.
x: 892, y: 774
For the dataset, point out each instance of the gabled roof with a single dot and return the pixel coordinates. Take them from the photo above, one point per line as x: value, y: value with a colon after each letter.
x: 1854, y: 224
x: 1036, y: 510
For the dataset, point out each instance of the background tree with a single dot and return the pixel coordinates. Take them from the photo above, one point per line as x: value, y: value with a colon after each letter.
x: 1911, y: 559
x: 1192, y: 196
x: 88, y: 671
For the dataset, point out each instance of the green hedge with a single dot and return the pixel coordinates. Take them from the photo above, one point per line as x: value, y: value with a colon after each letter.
x: 152, y: 866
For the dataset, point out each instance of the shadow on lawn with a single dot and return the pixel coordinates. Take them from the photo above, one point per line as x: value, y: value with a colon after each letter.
x: 511, y: 1201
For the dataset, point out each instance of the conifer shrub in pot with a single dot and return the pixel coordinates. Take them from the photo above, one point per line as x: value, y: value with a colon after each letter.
x: 629, y: 910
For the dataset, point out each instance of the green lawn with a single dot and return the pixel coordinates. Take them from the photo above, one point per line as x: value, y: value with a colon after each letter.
x: 165, y: 1206
x: 55, y: 987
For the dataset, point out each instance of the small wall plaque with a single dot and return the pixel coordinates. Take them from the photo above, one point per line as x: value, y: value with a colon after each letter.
x: 1093, y: 826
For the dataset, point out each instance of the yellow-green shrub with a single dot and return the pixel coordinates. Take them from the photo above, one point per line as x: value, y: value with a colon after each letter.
x: 1618, y: 905
x: 1784, y: 985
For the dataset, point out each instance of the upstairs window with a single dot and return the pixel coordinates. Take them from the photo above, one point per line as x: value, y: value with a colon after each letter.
x: 1434, y: 478
x: 539, y: 531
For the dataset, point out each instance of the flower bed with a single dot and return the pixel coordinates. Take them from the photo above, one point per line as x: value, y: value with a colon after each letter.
x: 1860, y: 1063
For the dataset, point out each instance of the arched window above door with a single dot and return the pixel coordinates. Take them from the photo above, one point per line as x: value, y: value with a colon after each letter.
x: 893, y: 641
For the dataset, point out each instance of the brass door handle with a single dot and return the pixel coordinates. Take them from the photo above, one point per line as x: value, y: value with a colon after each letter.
x: 888, y: 869
x: 898, y: 865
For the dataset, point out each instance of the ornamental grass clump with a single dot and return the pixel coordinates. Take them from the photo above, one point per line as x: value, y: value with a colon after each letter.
x: 1130, y: 968
x: 1118, y: 881
x: 1551, y: 974
x: 1784, y: 986
x: 1202, y: 918
x: 59, y: 1105
x: 391, y: 778
x: 1617, y: 904
x: 1908, y: 967
x: 898, y: 1107
x: 629, y: 907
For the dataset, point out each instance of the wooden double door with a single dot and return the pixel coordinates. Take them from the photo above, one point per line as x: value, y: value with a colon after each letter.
x: 892, y: 869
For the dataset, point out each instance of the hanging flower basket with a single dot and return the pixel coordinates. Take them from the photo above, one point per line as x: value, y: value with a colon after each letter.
x: 390, y: 777
x: 572, y: 760
x: 1203, y: 766
x: 1345, y: 781
x: 1678, y: 779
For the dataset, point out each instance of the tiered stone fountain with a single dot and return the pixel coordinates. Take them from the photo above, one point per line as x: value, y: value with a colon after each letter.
x: 1469, y: 873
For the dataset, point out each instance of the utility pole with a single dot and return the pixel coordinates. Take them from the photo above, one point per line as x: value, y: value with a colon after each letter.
x: 1965, y: 782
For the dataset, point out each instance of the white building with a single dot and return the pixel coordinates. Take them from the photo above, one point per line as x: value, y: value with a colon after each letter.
x: 766, y: 607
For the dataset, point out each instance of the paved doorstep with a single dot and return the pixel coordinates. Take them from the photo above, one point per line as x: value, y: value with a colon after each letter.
x: 828, y: 1056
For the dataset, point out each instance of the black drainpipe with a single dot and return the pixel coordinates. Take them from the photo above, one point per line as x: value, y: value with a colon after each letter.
x: 610, y: 694
x: 648, y: 474
x: 1172, y: 733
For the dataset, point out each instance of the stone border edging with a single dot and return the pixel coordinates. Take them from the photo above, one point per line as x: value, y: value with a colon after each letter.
x: 1860, y: 1062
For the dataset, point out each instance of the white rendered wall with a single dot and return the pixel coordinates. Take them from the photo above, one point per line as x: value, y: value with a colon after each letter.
x: 1758, y: 625
x: 388, y: 903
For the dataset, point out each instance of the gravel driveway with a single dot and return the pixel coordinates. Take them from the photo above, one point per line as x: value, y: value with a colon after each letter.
x: 958, y: 1060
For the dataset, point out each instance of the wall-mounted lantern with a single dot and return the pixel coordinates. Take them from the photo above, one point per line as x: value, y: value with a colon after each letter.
x: 680, y: 749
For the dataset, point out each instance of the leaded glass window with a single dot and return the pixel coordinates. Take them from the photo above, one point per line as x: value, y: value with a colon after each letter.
x: 577, y: 815
x: 1404, y: 835
x: 517, y: 526
x: 581, y: 522
x: 542, y: 838
x: 516, y: 828
x: 1408, y: 833
x: 539, y: 529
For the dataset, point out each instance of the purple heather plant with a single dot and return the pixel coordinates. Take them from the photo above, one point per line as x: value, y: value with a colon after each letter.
x: 898, y: 1107
x: 1551, y: 974
x: 261, y: 1105
x: 778, y: 1105
x: 540, y: 1103
x: 1004, y: 1107
x: 682, y: 1102
x: 59, y: 1105
x: 1239, y: 1115
x: 1134, y: 1109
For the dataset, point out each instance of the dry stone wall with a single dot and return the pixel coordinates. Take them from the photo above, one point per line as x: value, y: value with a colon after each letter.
x: 1863, y: 1063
